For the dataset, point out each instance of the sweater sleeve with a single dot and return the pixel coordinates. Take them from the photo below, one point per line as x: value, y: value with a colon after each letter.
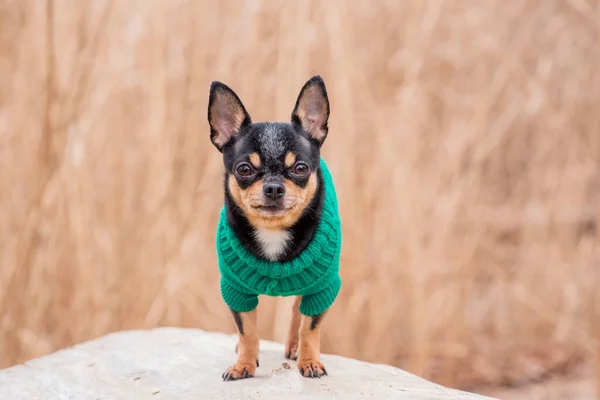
x: 236, y: 300
x: 317, y: 303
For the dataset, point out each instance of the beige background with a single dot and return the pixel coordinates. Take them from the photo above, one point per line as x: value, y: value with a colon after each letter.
x: 464, y: 141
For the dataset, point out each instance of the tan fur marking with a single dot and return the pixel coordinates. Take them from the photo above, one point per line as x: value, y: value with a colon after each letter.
x: 247, y: 348
x: 311, y: 189
x: 295, y: 200
x: 255, y: 160
x: 235, y: 190
x: 303, y: 197
x: 309, y: 351
x: 291, y: 345
x: 290, y: 159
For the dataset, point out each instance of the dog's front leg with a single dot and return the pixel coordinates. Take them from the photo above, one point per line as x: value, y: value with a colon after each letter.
x: 291, y: 345
x: 247, y: 348
x: 309, y: 351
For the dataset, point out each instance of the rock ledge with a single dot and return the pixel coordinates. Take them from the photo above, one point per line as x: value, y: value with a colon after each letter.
x: 182, y: 364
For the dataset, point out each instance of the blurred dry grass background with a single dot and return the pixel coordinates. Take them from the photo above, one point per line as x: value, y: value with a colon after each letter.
x: 464, y: 139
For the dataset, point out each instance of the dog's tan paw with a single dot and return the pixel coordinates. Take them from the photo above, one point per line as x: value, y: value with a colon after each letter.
x: 236, y: 351
x: 239, y: 371
x: 291, y: 351
x: 311, y: 369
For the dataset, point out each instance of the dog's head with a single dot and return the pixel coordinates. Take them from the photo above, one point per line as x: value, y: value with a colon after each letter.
x: 270, y: 166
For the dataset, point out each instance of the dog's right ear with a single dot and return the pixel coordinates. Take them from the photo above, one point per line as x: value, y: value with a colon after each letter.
x: 226, y: 115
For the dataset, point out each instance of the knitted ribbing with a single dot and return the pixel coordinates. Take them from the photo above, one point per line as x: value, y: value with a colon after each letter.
x: 313, y: 274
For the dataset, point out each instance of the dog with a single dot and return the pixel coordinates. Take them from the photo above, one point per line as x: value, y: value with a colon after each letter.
x: 279, y: 232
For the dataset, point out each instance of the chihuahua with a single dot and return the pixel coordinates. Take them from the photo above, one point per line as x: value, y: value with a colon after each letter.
x: 279, y: 228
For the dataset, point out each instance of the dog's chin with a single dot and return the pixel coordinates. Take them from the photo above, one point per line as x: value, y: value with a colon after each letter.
x: 270, y: 212
x: 280, y: 216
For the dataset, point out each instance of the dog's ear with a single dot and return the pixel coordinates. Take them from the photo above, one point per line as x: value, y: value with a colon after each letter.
x: 312, y: 109
x: 226, y: 115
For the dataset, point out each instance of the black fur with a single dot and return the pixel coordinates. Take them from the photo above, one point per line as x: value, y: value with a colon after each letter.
x: 272, y: 141
x: 284, y: 137
x: 238, y: 322
x: 315, y: 321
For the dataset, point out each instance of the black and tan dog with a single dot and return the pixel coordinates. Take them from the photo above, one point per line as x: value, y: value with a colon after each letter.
x: 273, y: 203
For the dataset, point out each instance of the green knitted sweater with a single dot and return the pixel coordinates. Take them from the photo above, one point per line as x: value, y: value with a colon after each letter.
x: 314, y: 274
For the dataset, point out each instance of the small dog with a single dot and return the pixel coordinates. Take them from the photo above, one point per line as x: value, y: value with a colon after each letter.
x: 279, y: 233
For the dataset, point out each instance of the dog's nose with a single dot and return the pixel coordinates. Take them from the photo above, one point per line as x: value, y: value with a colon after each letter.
x: 274, y: 191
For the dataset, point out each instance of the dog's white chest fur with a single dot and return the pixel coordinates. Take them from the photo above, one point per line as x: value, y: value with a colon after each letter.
x: 273, y: 242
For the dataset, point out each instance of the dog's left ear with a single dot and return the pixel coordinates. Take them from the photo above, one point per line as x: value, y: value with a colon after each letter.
x: 312, y: 109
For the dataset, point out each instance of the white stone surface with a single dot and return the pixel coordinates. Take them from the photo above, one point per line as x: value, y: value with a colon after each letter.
x: 182, y: 364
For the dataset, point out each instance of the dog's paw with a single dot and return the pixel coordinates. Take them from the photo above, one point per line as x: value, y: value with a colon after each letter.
x: 311, y: 369
x: 291, y: 351
x: 240, y: 371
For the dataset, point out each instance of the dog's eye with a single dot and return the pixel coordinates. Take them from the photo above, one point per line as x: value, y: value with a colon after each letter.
x: 301, y: 169
x: 244, y: 169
